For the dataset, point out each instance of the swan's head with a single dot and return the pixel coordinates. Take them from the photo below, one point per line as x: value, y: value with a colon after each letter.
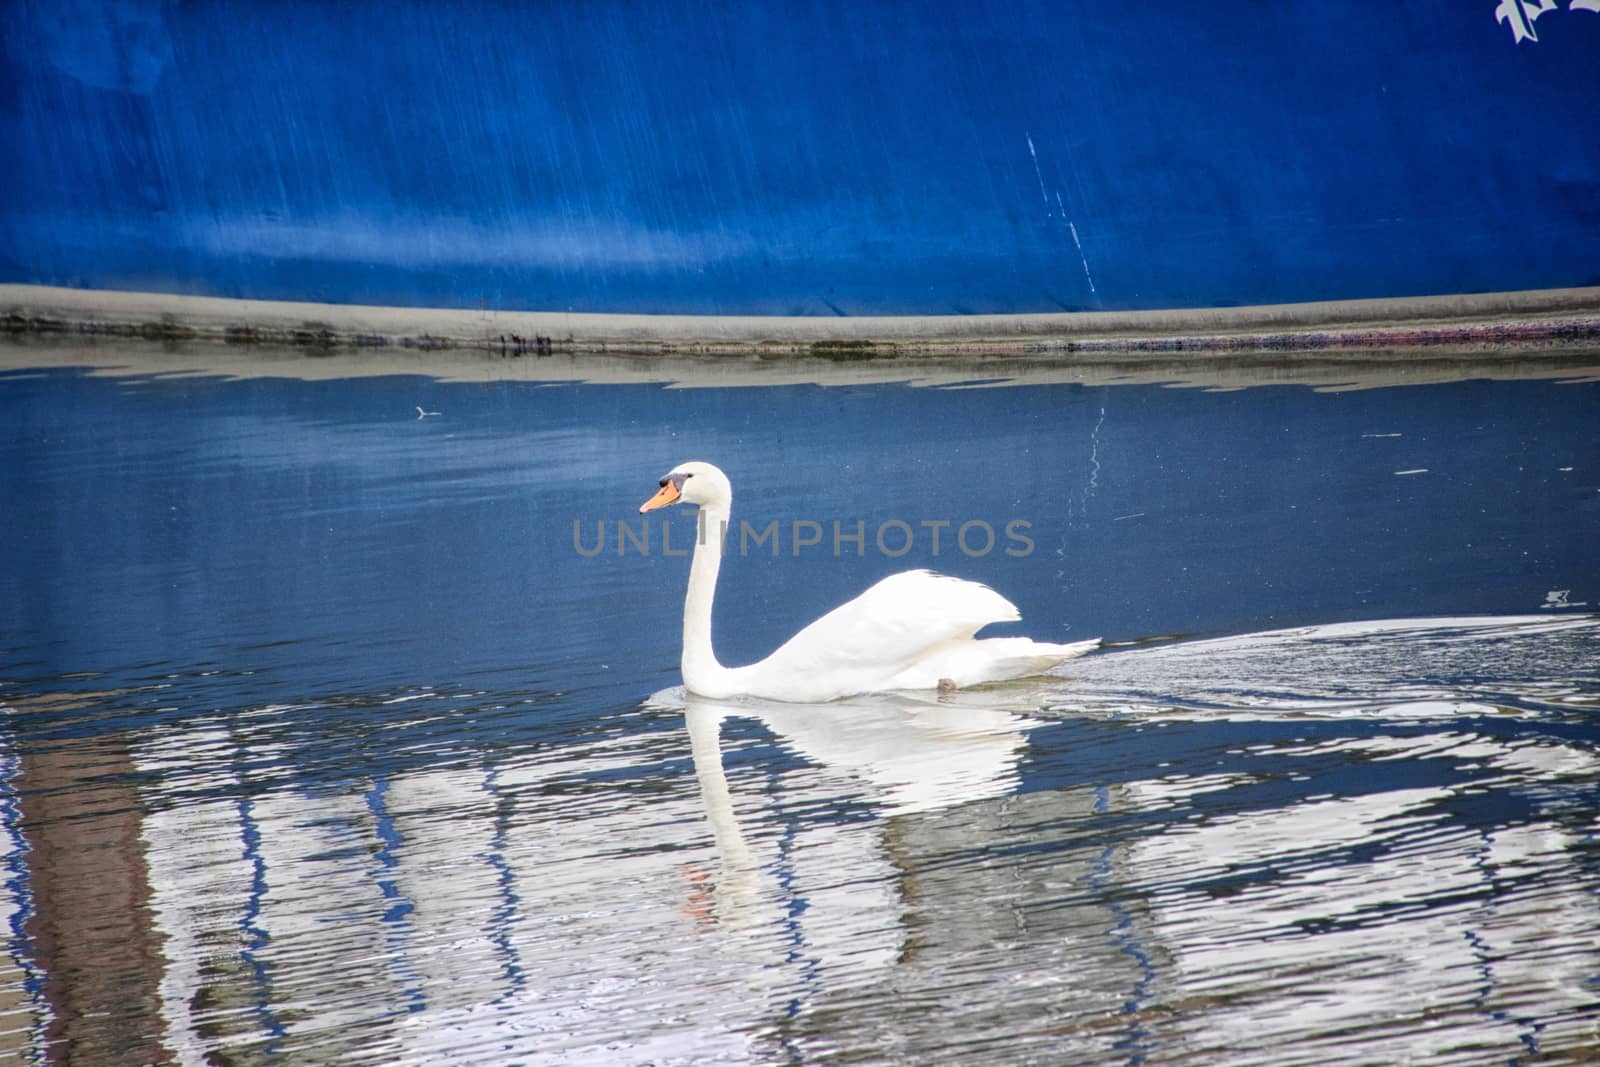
x: 693, y: 483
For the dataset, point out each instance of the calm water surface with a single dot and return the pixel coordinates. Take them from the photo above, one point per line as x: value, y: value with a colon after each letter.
x: 330, y: 738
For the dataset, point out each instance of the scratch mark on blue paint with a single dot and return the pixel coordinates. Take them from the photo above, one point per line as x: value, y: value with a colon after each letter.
x: 1037, y: 173
x: 1083, y: 258
x: 1060, y: 212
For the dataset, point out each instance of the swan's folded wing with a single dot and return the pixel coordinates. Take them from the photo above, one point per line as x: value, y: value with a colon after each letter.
x: 893, y: 624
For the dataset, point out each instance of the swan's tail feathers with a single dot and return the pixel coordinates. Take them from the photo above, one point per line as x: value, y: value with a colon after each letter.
x: 1072, y: 650
x: 1000, y: 659
x: 1043, y: 655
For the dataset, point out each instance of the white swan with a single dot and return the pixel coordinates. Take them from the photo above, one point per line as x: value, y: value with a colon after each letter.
x: 913, y: 630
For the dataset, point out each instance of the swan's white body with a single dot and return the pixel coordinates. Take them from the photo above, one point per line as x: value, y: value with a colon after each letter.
x: 913, y: 630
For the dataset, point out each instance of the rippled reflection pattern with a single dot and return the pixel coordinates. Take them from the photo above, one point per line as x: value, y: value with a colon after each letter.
x: 425, y: 790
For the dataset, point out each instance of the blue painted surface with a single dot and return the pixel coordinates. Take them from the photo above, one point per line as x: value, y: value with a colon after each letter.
x: 814, y: 159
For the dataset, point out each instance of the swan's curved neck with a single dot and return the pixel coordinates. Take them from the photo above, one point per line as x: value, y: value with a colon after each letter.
x: 701, y: 671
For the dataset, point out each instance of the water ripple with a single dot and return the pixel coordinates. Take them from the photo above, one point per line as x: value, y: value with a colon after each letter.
x: 340, y: 755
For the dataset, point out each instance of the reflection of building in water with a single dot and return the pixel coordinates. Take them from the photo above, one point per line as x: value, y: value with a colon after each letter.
x: 893, y: 892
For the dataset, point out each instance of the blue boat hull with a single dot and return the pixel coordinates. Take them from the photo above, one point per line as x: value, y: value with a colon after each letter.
x: 836, y: 158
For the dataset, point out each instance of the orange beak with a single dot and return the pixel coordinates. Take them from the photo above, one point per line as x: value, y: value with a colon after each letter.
x: 668, y: 495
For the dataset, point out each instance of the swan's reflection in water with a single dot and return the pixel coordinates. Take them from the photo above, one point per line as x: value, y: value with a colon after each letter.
x: 898, y: 754
x: 883, y: 893
x: 899, y: 883
x: 909, y: 752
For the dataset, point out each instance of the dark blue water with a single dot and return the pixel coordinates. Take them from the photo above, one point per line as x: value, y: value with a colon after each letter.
x: 330, y: 735
x: 241, y: 524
